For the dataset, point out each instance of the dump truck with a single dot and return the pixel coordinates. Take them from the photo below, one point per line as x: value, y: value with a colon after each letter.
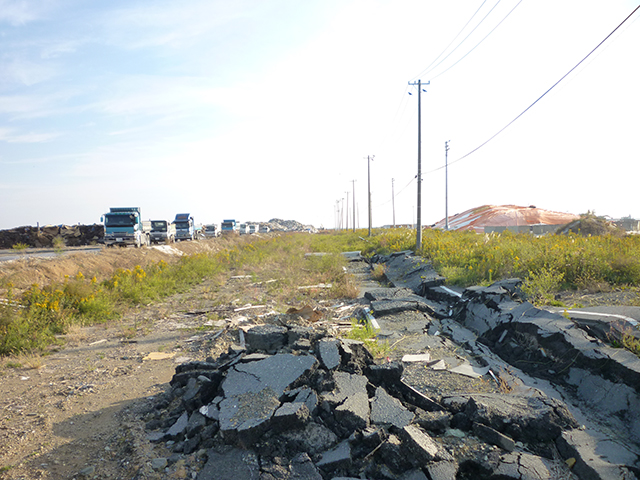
x: 211, y: 230
x: 185, y: 227
x: 162, y: 231
x: 124, y: 226
x: 229, y: 226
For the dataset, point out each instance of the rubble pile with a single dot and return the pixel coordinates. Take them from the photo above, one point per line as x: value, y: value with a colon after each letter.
x: 49, y: 236
x: 569, y: 355
x: 279, y: 225
x: 294, y: 403
x: 480, y: 384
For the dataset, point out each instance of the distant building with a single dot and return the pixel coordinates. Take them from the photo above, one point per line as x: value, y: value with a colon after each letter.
x: 627, y: 224
x: 492, y: 218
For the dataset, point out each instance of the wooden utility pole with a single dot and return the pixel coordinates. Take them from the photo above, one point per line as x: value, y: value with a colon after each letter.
x: 419, y: 207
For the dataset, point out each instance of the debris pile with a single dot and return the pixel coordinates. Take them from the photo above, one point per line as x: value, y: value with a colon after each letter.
x: 279, y: 225
x: 295, y: 403
x: 52, y: 236
x: 479, y: 384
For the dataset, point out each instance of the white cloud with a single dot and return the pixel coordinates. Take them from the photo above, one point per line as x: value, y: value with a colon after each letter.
x: 21, y: 12
x: 11, y: 136
x: 27, y: 72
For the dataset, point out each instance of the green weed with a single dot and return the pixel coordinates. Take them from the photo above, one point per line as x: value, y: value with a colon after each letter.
x: 367, y: 335
x: 21, y: 247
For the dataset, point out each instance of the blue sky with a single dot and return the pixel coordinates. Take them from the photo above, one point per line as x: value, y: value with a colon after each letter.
x: 258, y: 109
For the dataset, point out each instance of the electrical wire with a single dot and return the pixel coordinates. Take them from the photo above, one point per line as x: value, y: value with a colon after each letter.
x: 454, y: 39
x: 464, y: 39
x: 477, y: 44
x: 395, y: 195
x: 541, y: 96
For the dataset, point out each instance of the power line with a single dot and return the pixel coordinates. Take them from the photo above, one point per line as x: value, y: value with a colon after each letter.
x: 426, y: 70
x: 398, y: 194
x: 463, y: 40
x: 477, y: 44
x: 541, y: 96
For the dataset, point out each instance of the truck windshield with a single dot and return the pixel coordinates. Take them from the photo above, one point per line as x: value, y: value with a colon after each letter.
x: 159, y: 226
x: 182, y: 225
x: 119, y: 220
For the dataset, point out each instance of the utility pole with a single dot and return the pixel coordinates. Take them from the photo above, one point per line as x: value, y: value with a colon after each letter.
x: 369, y: 159
x: 419, y: 209
x: 347, y: 210
x: 393, y: 203
x: 354, y: 205
x: 446, y: 185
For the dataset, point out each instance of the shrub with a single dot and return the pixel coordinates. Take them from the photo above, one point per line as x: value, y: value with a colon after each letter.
x: 540, y: 287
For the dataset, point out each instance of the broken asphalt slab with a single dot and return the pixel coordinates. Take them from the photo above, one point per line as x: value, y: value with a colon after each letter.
x: 298, y: 403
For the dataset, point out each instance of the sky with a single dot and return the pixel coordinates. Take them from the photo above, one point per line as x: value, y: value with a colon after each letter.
x: 257, y: 109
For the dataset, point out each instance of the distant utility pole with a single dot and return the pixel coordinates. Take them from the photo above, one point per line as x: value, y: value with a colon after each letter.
x: 354, y: 205
x: 347, y: 214
x: 393, y: 203
x: 446, y: 185
x: 419, y: 209
x: 369, y: 160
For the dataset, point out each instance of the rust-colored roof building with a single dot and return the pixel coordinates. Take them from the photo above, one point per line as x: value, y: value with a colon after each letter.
x: 505, y: 216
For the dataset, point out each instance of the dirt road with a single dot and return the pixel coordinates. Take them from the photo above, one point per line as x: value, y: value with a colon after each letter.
x: 70, y: 414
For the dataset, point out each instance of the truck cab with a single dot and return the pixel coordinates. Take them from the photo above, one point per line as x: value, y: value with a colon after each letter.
x: 184, y: 226
x: 229, y: 226
x: 162, y: 231
x: 124, y: 226
x: 211, y: 230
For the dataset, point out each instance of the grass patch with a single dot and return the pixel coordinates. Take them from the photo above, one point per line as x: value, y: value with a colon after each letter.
x: 33, y: 318
x: 367, y: 335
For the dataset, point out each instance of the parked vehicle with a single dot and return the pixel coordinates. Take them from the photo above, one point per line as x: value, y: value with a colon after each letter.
x: 264, y: 229
x: 211, y: 230
x: 252, y: 228
x: 124, y: 226
x: 198, y: 232
x: 229, y: 226
x: 244, y: 229
x: 185, y: 228
x: 162, y: 231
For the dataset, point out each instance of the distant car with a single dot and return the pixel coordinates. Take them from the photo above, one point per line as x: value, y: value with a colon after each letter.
x: 244, y: 229
x: 211, y: 230
x: 252, y: 228
x: 264, y: 229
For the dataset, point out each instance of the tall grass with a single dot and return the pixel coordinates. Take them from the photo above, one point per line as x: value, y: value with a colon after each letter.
x: 467, y: 258
x: 32, y: 319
